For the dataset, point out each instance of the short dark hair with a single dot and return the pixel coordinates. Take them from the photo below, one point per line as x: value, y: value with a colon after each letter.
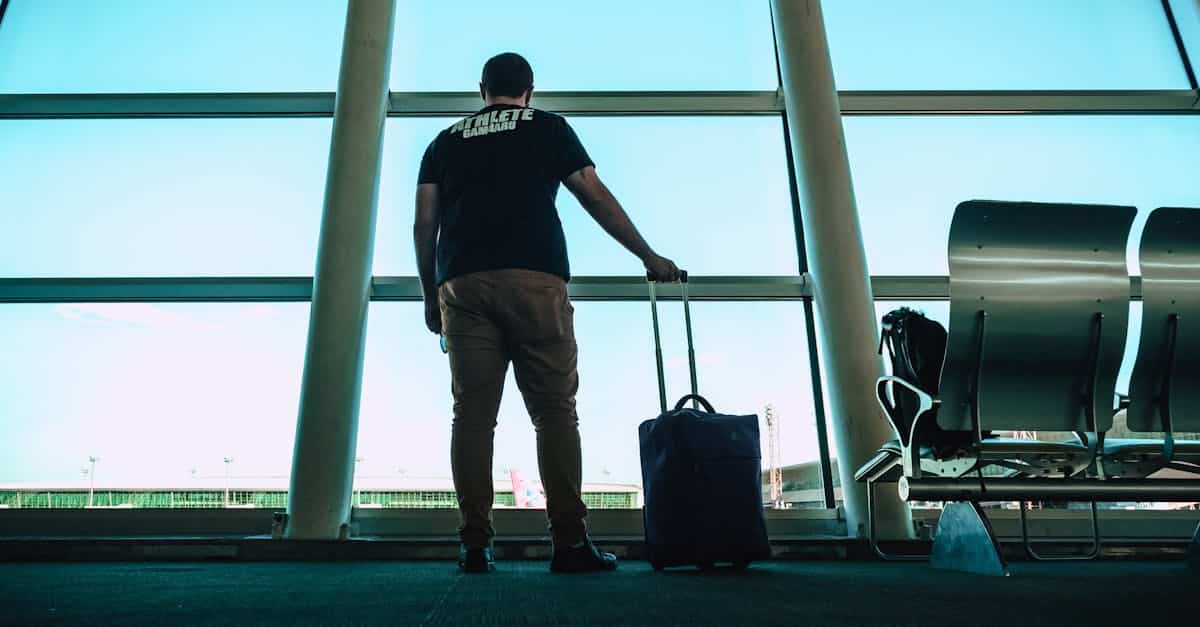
x: 507, y: 75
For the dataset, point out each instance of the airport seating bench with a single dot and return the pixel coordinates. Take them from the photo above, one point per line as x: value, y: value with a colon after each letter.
x: 1039, y: 315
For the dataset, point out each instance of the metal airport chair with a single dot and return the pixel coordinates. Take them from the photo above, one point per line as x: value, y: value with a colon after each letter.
x: 1164, y: 392
x: 1039, y: 306
x: 1165, y: 387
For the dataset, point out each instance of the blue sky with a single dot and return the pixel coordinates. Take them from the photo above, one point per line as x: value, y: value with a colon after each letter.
x: 156, y: 390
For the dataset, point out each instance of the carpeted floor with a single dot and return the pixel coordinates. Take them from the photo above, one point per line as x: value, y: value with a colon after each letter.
x: 524, y: 593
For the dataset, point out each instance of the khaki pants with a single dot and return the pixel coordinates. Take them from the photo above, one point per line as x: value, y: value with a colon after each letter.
x: 489, y: 319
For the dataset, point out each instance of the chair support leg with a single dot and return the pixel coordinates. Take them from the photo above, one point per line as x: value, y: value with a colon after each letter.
x: 1092, y: 553
x: 1193, y: 555
x: 965, y: 542
x: 872, y: 535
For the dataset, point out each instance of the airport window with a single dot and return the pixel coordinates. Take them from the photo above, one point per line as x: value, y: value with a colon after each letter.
x: 1002, y: 44
x: 911, y: 172
x: 64, y: 46
x: 108, y: 198
x: 159, y: 392
x: 683, y: 181
x: 750, y: 355
x: 169, y: 391
x: 664, y: 45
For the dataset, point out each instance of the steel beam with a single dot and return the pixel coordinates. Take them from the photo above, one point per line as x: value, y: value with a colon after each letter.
x: 322, y: 474
x: 837, y: 261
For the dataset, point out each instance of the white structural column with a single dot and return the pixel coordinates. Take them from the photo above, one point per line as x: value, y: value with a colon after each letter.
x: 836, y: 259
x: 327, y: 427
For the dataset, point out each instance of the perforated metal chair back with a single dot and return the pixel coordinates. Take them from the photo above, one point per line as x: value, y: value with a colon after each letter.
x: 1047, y: 287
x: 1166, y: 374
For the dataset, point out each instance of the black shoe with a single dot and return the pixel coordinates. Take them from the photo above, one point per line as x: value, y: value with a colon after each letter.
x: 475, y: 560
x: 584, y: 558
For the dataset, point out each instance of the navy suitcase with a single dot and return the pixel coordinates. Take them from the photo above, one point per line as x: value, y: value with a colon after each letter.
x: 701, y: 476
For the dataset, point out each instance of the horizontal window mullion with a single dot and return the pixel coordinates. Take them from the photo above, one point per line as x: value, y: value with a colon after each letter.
x: 293, y: 289
x: 938, y: 288
x: 189, y: 289
x: 390, y: 288
x: 1018, y: 102
x: 684, y: 103
x: 600, y: 103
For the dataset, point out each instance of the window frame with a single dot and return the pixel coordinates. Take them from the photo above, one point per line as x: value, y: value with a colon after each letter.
x: 578, y: 103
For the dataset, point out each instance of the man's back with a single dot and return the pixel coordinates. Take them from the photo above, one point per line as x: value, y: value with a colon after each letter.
x: 498, y: 173
x: 493, y: 264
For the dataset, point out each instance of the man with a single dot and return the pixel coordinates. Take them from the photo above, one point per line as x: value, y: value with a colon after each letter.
x: 493, y: 263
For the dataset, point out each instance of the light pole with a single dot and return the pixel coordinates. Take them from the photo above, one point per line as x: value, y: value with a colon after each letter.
x: 228, y: 461
x: 92, y: 459
x: 357, y: 489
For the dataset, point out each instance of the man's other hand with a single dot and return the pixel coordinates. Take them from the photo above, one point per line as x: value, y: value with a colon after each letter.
x: 433, y: 317
x: 662, y: 269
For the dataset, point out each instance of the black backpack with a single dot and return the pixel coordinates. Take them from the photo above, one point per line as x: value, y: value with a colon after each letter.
x: 917, y: 347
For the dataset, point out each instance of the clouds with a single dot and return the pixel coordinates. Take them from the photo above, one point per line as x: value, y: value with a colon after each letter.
x: 135, y: 314
x: 168, y: 318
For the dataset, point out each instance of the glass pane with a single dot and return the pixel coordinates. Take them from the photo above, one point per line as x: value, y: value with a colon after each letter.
x: 66, y: 46
x: 1002, y: 44
x: 161, y: 197
x: 712, y: 193
x: 1187, y: 18
x: 160, y: 393
x: 624, y: 44
x: 749, y: 354
x: 911, y: 172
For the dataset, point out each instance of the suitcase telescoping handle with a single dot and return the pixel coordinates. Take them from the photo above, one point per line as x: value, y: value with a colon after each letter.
x: 658, y: 354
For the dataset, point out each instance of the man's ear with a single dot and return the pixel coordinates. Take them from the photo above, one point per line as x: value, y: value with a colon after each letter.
x: 528, y: 96
x: 483, y: 92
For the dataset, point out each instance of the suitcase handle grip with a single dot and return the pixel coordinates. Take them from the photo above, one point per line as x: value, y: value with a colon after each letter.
x: 683, y: 277
x: 695, y: 397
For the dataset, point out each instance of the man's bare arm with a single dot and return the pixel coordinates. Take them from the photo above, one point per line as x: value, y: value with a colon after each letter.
x: 425, y: 232
x: 596, y: 198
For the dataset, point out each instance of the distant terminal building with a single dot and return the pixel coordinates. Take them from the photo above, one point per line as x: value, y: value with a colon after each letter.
x: 801, y: 485
x: 271, y: 492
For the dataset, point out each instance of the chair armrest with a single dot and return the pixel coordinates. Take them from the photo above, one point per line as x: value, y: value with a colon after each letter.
x: 906, y: 433
x: 883, y: 394
x: 881, y: 464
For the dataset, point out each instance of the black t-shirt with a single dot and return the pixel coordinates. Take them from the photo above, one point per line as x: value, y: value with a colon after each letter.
x: 498, y: 173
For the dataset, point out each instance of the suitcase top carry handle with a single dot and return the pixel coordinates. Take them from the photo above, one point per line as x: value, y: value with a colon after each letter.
x: 687, y: 317
x: 695, y: 398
